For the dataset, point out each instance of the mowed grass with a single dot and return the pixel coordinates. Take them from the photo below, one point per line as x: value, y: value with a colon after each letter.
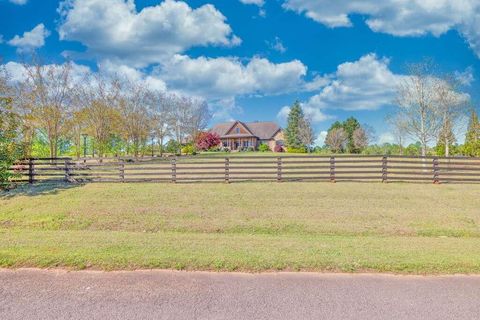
x: 353, y: 227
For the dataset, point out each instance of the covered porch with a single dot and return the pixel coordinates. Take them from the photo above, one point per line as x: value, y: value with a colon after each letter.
x: 237, y: 143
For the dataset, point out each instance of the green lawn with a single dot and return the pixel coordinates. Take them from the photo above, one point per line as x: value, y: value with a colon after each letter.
x: 405, y: 228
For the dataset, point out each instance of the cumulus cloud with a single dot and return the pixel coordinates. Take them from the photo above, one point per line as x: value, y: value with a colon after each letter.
x: 320, y: 140
x: 399, y: 18
x: 31, y: 39
x: 314, y: 114
x: 19, y: 2
x: 18, y: 73
x: 114, y: 29
x: 219, y: 78
x: 365, y: 84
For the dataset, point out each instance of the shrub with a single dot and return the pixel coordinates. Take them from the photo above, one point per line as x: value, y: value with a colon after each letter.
x: 263, y: 147
x: 189, y: 149
x: 296, y: 150
x: 9, y: 147
x: 173, y: 147
x: 207, y: 140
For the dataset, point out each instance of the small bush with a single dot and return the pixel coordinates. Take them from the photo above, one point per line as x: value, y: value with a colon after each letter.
x: 296, y: 150
x: 173, y: 147
x: 189, y: 149
x: 263, y: 147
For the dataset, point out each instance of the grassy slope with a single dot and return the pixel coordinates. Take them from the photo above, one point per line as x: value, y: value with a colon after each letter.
x: 245, y: 226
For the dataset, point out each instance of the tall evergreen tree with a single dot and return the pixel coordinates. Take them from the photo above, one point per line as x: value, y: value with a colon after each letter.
x: 350, y: 125
x: 293, y: 140
x: 472, y: 140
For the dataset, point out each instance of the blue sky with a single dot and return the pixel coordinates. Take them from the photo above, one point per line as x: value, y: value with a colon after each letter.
x: 251, y: 59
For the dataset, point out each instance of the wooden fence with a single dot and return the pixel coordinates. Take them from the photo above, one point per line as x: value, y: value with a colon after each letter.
x: 246, y: 168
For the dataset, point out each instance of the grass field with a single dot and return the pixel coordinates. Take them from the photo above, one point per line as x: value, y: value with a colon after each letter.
x: 353, y: 227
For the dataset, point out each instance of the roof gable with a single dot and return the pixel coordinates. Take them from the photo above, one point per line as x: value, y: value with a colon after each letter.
x: 240, y: 125
x: 261, y: 130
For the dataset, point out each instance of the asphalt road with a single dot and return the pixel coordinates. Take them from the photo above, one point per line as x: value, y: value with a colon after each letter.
x: 37, y: 294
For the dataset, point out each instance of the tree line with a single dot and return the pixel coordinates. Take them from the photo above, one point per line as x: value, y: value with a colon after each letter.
x: 429, y: 108
x: 60, y: 110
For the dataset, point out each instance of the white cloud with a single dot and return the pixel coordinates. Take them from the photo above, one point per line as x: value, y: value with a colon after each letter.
x: 314, y: 114
x: 31, y: 39
x: 320, y: 141
x: 255, y: 2
x: 365, y: 84
x: 114, y: 29
x: 132, y: 74
x: 466, y: 77
x: 398, y: 17
x: 19, y: 2
x: 18, y: 73
x: 220, y: 78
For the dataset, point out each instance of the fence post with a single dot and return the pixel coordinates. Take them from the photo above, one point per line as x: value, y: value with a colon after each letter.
x: 67, y: 170
x: 31, y: 171
x: 436, y: 173
x: 384, y: 169
x: 227, y: 170
x: 174, y: 170
x: 279, y: 169
x: 122, y: 170
x: 332, y: 169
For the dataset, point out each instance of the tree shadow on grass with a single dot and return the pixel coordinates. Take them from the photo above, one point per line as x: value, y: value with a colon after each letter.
x: 40, y: 189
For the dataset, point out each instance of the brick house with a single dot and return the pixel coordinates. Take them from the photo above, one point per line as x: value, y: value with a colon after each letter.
x: 238, y: 135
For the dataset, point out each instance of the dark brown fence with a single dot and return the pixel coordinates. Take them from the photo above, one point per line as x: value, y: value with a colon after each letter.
x: 246, y: 168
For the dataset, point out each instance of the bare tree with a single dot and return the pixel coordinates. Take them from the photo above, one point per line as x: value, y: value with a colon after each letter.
x: 100, y: 98
x: 399, y: 130
x: 336, y: 139
x: 305, y: 133
x: 46, y: 94
x: 417, y: 104
x: 188, y: 117
x: 360, y: 138
x: 160, y: 104
x: 452, y: 105
x: 135, y: 114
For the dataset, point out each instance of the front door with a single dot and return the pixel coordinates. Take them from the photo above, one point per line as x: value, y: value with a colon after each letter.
x: 236, y: 145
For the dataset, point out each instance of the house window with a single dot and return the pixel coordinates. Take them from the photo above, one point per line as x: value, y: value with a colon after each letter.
x: 237, y: 130
x: 245, y: 143
x: 225, y: 144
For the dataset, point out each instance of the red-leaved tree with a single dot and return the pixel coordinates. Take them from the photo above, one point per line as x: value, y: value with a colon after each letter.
x: 207, y: 140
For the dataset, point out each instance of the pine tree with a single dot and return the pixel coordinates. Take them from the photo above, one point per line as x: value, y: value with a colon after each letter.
x: 292, y: 136
x: 472, y: 140
x: 350, y: 125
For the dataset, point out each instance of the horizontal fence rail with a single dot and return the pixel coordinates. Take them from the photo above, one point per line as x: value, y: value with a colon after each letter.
x: 250, y: 168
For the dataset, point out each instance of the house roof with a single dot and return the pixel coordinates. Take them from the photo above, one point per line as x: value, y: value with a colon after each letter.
x: 261, y: 130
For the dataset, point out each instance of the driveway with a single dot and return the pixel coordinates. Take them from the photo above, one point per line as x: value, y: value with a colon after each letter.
x: 40, y: 294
